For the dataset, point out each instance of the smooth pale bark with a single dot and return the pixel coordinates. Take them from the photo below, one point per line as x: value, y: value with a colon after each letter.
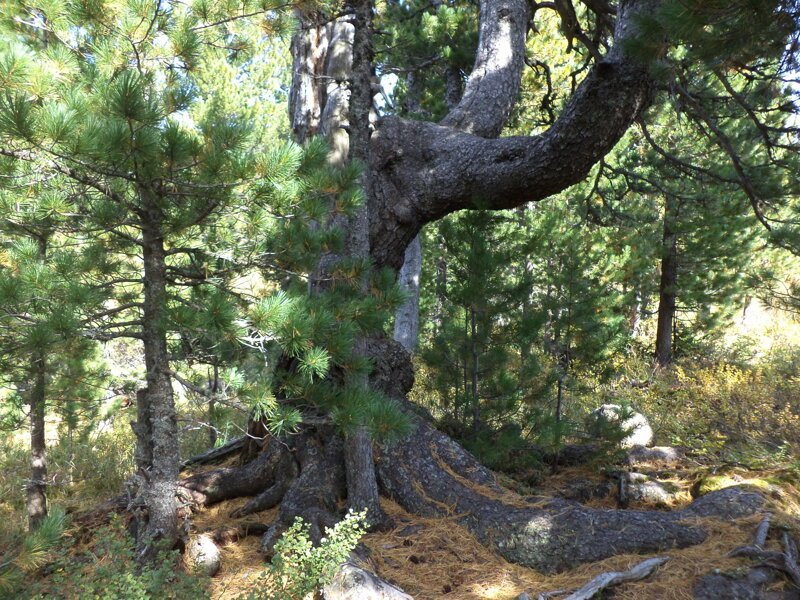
x: 309, y: 46
x: 406, y: 322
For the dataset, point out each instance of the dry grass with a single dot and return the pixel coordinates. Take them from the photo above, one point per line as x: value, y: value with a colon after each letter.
x: 437, y: 558
x: 241, y: 562
x: 444, y: 561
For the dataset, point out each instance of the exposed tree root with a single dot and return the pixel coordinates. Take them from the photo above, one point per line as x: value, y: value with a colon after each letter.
x: 303, y: 474
x: 214, y: 455
x: 314, y: 494
x: 232, y: 534
x: 251, y: 479
x: 431, y: 475
x: 785, y: 562
x: 552, y: 536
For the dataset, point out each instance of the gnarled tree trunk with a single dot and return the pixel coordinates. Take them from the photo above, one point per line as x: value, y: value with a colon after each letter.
x: 418, y: 172
x: 431, y: 475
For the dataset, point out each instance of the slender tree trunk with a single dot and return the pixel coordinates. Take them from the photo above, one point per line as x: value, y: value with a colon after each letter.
x: 159, y: 477
x: 441, y: 286
x: 636, y: 312
x: 667, y: 289
x: 212, y: 428
x: 557, y: 432
x: 359, y: 463
x: 476, y: 405
x: 36, y: 488
x: 406, y: 324
x: 465, y: 377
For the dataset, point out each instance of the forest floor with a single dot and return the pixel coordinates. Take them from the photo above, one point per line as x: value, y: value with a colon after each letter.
x: 437, y: 558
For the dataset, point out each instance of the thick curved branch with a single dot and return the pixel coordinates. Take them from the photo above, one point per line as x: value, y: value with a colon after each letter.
x: 422, y: 171
x: 494, y: 83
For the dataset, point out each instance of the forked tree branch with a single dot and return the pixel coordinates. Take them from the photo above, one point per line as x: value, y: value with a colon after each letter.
x: 424, y: 171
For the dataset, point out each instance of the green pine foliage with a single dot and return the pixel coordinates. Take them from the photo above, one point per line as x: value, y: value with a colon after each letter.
x: 31, y: 553
x: 167, y: 133
x: 474, y: 358
x: 106, y: 569
x: 428, y: 48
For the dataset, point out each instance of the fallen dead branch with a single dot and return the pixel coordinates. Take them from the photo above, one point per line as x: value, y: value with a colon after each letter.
x: 785, y: 561
x: 606, y: 580
x: 215, y: 454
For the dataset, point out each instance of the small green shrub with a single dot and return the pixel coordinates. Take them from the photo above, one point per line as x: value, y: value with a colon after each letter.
x: 31, y: 553
x: 108, y: 571
x: 298, y: 568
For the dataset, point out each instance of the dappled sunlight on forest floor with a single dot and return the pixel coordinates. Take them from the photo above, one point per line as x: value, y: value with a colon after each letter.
x: 437, y: 558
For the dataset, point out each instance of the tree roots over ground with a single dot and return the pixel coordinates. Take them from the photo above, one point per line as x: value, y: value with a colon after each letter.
x: 431, y: 475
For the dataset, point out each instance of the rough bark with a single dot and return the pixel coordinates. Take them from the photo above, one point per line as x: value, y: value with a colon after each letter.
x: 431, y: 475
x: 362, y: 486
x: 36, y: 497
x: 345, y: 105
x: 36, y: 488
x: 315, y: 492
x: 416, y: 173
x: 362, y: 483
x: 143, y: 430
x: 551, y: 536
x: 424, y: 171
x: 667, y: 288
x: 158, y: 479
x: 273, y: 465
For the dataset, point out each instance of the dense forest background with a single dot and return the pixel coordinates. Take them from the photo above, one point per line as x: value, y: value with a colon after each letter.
x: 186, y: 265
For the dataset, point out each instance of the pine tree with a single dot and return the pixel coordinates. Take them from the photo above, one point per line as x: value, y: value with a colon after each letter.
x: 111, y: 111
x: 473, y: 356
x: 47, y: 300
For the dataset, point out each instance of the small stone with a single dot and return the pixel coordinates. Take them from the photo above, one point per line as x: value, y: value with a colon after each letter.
x: 353, y: 583
x: 639, y: 432
x: 660, y: 454
x: 203, y: 555
x: 410, y: 530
